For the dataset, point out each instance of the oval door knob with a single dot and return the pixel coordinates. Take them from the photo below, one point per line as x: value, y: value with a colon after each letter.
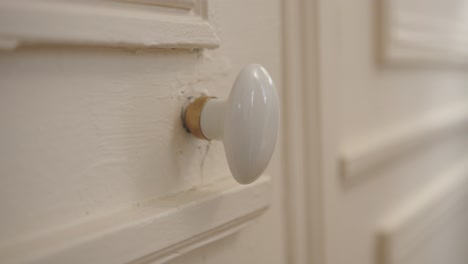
x: 247, y: 122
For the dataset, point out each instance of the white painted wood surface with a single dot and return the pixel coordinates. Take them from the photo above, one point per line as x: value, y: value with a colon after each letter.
x: 187, y: 221
x: 395, y: 128
x: 400, y: 141
x: 430, y: 227
x: 419, y: 32
x: 88, y: 132
x: 301, y: 122
x: 92, y: 132
x: 159, y: 24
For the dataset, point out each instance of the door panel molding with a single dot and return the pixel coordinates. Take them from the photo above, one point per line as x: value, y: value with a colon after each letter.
x: 420, y: 32
x: 117, y: 23
x: 429, y: 212
x: 301, y: 133
x: 401, y: 140
x: 152, y: 232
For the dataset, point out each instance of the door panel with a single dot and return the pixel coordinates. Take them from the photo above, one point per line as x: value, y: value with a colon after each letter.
x: 95, y: 160
x: 92, y: 143
x: 392, y: 128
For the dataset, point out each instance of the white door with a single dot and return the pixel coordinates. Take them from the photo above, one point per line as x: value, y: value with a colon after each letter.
x: 95, y: 164
x: 384, y: 114
x: 370, y: 165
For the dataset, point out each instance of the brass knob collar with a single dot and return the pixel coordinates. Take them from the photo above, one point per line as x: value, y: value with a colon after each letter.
x: 191, y: 116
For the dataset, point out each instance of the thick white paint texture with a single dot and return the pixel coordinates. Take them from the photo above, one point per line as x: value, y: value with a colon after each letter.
x: 90, y: 131
x: 109, y: 131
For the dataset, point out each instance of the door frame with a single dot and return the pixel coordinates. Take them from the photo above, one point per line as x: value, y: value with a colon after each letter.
x: 302, y: 150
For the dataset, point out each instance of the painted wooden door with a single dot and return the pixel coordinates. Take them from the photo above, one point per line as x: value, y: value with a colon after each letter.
x: 95, y: 165
x: 384, y: 140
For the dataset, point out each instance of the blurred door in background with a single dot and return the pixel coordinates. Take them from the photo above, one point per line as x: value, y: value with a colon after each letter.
x: 384, y: 115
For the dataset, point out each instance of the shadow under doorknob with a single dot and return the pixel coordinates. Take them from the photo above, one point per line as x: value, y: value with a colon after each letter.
x: 247, y: 122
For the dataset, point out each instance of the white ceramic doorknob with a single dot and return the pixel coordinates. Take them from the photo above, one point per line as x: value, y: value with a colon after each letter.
x: 247, y: 122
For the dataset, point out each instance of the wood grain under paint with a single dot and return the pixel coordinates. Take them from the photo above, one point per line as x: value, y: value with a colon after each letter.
x: 100, y: 130
x: 186, y: 221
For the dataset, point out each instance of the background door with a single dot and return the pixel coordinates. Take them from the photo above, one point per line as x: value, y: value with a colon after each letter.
x: 383, y: 117
x: 95, y: 165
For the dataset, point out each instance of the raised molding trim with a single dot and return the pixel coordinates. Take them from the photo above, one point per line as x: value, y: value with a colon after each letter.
x: 185, y: 4
x: 398, y: 141
x: 422, y: 36
x: 413, y: 224
x: 153, y: 232
x: 301, y: 145
x: 129, y: 24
